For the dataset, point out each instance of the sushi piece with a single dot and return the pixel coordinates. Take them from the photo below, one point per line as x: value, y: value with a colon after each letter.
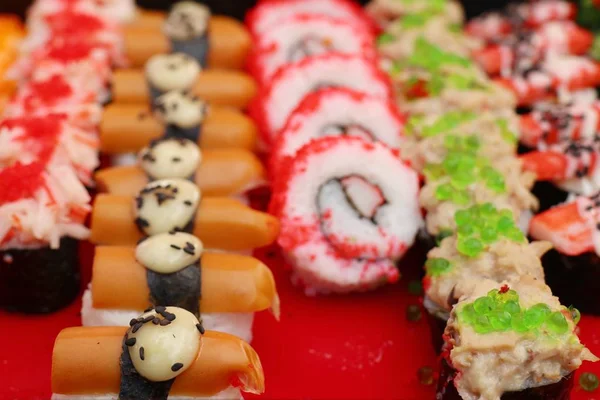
x: 225, y: 289
x: 215, y: 41
x: 307, y: 35
x: 122, y: 10
x: 269, y: 13
x: 521, y: 51
x: 338, y: 111
x: 387, y: 12
x: 344, y: 221
x: 294, y: 81
x: 177, y: 205
x: 223, y: 172
x: 130, y: 127
x: 491, y: 26
x: 538, y: 13
x: 429, y: 138
x: 167, y: 72
x: 166, y: 353
x: 432, y: 80
x: 510, y: 341
x: 43, y: 208
x: 487, y: 245
x: 572, y: 268
x: 56, y: 95
x: 465, y: 178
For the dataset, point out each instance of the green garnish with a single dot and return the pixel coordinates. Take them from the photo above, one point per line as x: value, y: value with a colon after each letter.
x: 575, y: 314
x: 589, y: 381
x: 455, y: 28
x: 410, y: 21
x: 445, y: 123
x: 444, y: 233
x: 437, y: 266
x: 431, y: 57
x: 385, y: 38
x: 505, y: 131
x: 500, y: 311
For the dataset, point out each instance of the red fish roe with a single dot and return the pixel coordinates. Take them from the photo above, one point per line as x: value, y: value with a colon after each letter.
x: 40, y: 134
x: 69, y: 50
x: 20, y: 181
x: 74, y: 24
x: 47, y: 92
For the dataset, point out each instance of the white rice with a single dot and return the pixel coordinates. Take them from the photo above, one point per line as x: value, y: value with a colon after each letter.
x: 121, y: 10
x: 227, y: 394
x: 238, y: 324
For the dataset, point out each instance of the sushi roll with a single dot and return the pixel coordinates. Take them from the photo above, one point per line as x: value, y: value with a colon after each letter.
x: 344, y: 221
x: 338, y: 111
x: 43, y: 208
x: 430, y: 137
x: 178, y: 71
x: 302, y: 36
x: 214, y: 41
x: 387, y: 12
x: 572, y: 268
x: 165, y: 353
x: 224, y: 172
x: 121, y: 10
x: 294, y: 81
x: 225, y: 289
x: 510, y: 341
x: 126, y: 128
x: 269, y: 13
x: 487, y: 245
x: 432, y: 80
x: 169, y: 205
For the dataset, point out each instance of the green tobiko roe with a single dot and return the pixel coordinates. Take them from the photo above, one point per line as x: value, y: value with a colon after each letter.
x: 508, y: 135
x: 410, y: 21
x: 431, y: 57
x: 481, y: 225
x: 446, y: 123
x: 385, y: 38
x: 437, y: 266
x: 500, y: 311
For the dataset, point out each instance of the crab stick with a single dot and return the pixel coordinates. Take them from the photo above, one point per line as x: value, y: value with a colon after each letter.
x: 219, y: 222
x: 569, y: 159
x: 129, y: 127
x: 86, y: 363
x: 220, y: 173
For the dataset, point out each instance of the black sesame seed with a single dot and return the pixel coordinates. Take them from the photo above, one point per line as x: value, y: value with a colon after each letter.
x: 176, y: 159
x: 149, y: 309
x: 176, y: 367
x: 188, y: 203
x: 189, y: 251
x: 200, y: 328
x: 164, y: 322
x: 141, y: 223
x: 160, y: 309
x: 133, y: 322
x: 175, y: 190
x: 130, y: 342
x: 170, y: 317
x: 142, y: 354
x: 148, y: 318
x: 136, y: 327
x: 175, y: 247
x: 142, y: 115
x: 156, y: 321
x: 139, y: 202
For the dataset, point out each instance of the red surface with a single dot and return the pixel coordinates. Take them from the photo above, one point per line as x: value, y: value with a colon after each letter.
x: 343, y: 347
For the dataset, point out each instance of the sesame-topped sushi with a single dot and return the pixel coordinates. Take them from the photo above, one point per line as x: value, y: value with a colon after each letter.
x: 348, y: 211
x: 510, y: 340
x: 387, y: 12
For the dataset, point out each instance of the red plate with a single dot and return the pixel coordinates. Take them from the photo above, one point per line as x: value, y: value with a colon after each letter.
x: 339, y: 347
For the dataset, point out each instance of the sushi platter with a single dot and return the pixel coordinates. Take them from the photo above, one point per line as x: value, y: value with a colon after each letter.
x: 326, y: 200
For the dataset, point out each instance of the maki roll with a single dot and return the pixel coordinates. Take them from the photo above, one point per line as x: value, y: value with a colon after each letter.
x: 121, y: 10
x: 387, y: 12
x: 178, y: 71
x: 269, y: 13
x: 225, y: 172
x: 573, y: 267
x: 510, y: 341
x: 128, y: 128
x: 486, y: 245
x: 225, y: 289
x: 294, y: 81
x: 165, y: 353
x: 307, y: 35
x: 432, y: 80
x: 338, y: 111
x: 168, y: 205
x: 344, y: 221
x: 215, y: 41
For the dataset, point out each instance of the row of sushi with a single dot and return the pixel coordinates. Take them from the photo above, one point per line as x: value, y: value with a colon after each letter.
x: 166, y: 262
x: 501, y: 332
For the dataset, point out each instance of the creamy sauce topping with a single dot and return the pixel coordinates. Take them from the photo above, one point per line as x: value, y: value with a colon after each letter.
x: 177, y: 108
x: 170, y: 158
x: 176, y: 71
x: 164, y: 342
x: 187, y: 20
x: 166, y: 205
x: 167, y: 253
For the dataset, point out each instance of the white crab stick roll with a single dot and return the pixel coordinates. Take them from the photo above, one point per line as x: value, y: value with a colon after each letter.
x: 348, y: 210
x: 293, y: 82
x: 306, y: 35
x: 339, y: 111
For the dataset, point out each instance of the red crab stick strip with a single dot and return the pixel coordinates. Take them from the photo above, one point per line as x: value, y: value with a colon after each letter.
x: 129, y: 127
x: 565, y: 227
x: 221, y: 173
x: 569, y: 159
x: 230, y: 282
x: 85, y: 361
x: 537, y: 13
x: 563, y: 37
x: 221, y: 223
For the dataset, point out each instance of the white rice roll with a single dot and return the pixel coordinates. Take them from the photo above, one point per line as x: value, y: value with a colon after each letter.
x: 348, y: 210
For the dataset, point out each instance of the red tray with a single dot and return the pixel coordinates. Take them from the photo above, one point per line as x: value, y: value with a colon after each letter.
x: 338, y: 347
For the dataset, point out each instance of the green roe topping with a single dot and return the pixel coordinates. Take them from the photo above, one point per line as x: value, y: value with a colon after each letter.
x: 447, y: 123
x: 505, y: 131
x: 385, y: 38
x: 482, y: 225
x: 500, y: 311
x: 430, y: 57
x: 410, y: 21
x: 437, y: 266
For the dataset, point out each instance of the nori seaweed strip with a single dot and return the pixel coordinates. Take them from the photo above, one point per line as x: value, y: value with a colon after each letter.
x: 39, y: 280
x: 560, y: 390
x: 179, y: 289
x: 134, y: 386
x: 197, y: 48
